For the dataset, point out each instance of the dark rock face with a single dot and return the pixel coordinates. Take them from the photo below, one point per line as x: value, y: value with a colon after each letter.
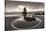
x: 30, y: 19
x: 24, y: 12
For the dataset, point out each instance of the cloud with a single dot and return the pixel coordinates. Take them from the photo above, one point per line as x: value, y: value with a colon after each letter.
x: 18, y: 6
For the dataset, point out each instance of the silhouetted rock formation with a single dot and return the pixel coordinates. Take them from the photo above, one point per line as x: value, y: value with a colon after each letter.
x: 24, y: 12
x: 27, y: 18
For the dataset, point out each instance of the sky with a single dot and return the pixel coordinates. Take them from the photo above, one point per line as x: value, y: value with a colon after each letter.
x: 28, y: 0
x: 17, y: 6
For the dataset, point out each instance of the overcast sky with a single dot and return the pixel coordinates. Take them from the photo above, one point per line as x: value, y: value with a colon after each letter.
x: 15, y: 6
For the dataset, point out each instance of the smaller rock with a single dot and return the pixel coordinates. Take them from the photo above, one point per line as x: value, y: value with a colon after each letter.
x: 30, y: 19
